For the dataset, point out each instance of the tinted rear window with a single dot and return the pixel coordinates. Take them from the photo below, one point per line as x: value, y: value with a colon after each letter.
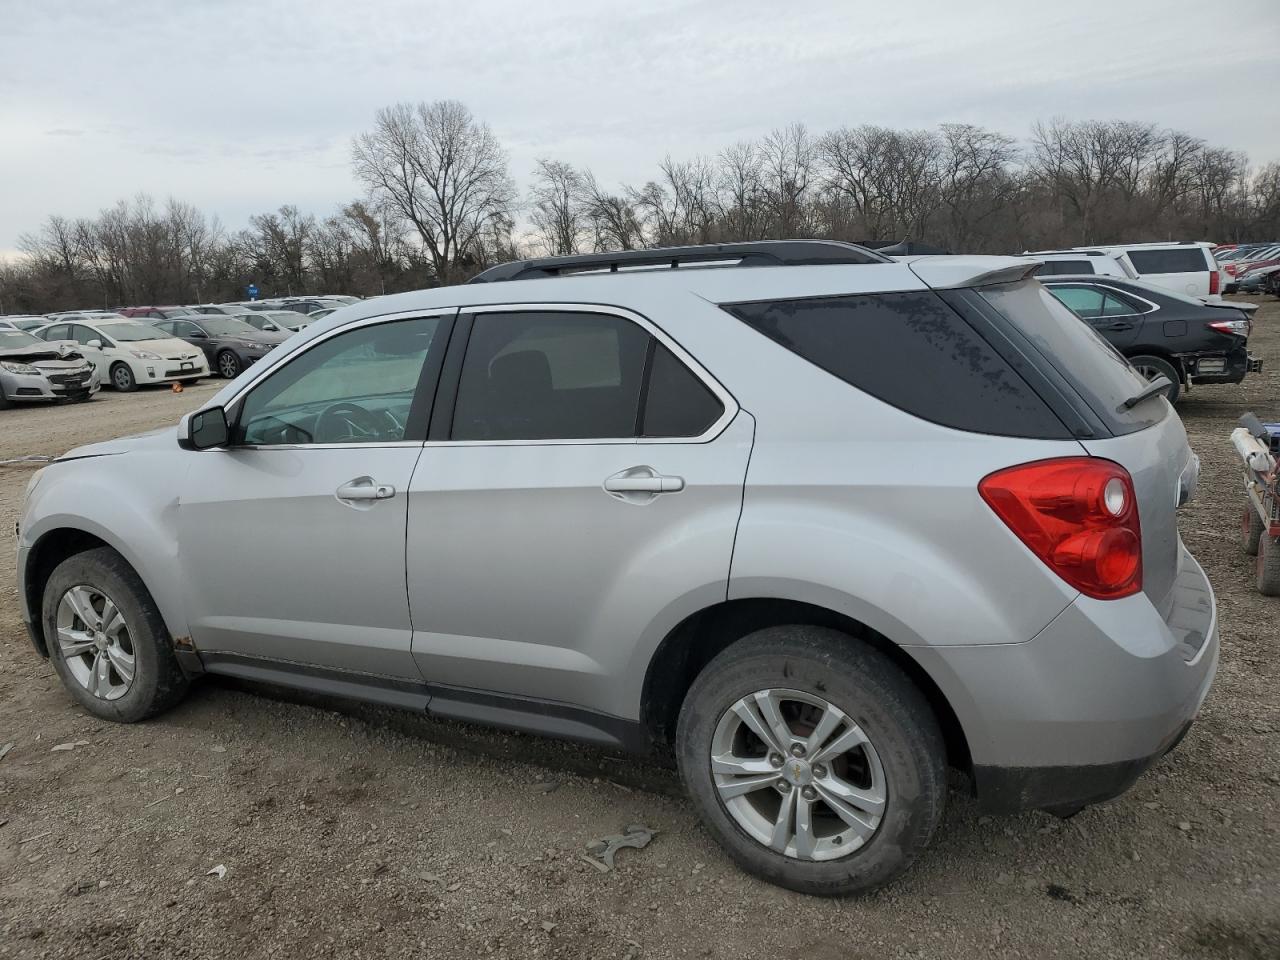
x: 1179, y: 260
x: 912, y: 351
x: 1103, y: 378
x: 1055, y: 268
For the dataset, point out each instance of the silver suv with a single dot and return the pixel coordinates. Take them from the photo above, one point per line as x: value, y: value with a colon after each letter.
x: 819, y: 523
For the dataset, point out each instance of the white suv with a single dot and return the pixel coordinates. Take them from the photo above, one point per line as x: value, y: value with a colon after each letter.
x: 1186, y: 267
x: 1078, y: 262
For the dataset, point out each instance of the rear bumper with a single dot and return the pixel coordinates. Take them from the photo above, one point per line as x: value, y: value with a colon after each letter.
x: 1076, y: 715
x: 1221, y: 368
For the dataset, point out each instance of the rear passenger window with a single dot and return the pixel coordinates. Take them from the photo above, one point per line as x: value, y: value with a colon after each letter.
x: 550, y: 376
x: 677, y: 403
x: 1183, y: 260
x: 912, y: 351
x: 575, y: 376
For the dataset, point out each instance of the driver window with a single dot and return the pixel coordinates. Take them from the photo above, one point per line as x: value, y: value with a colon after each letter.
x: 356, y: 387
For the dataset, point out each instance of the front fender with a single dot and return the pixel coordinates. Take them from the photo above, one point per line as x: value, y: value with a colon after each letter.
x: 119, y: 501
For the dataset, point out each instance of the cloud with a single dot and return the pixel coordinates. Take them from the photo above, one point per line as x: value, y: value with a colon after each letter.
x: 239, y: 106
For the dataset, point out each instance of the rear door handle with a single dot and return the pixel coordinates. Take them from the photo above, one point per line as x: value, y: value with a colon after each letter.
x: 365, y: 488
x: 641, y: 484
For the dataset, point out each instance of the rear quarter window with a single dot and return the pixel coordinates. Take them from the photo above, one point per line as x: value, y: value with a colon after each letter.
x: 1180, y: 260
x: 910, y: 350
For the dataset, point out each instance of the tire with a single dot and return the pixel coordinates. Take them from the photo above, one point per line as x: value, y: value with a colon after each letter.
x: 1152, y: 367
x: 1250, y: 530
x: 229, y: 365
x: 905, y: 746
x: 157, y: 681
x: 1269, y: 566
x: 122, y: 378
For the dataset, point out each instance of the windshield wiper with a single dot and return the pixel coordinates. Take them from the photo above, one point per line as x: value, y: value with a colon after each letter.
x: 1156, y: 387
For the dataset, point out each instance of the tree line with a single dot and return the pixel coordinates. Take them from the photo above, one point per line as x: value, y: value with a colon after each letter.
x: 439, y: 204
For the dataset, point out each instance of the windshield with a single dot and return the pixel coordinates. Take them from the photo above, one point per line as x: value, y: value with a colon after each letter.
x: 14, y: 339
x: 129, y: 332
x: 226, y: 327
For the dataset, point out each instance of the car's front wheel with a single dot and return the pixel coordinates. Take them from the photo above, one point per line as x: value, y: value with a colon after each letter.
x: 106, y: 638
x: 815, y: 761
x: 122, y: 378
x: 228, y: 364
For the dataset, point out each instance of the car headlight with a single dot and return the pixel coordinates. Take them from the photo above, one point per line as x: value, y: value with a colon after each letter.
x: 145, y: 355
x: 24, y: 368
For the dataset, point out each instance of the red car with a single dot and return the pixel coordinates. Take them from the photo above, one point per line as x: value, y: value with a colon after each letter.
x: 153, y: 313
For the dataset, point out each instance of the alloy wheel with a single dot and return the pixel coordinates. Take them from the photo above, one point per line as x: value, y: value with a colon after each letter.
x: 798, y: 775
x: 95, y: 642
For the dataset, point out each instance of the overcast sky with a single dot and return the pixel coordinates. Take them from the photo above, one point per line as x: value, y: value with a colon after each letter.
x: 239, y: 106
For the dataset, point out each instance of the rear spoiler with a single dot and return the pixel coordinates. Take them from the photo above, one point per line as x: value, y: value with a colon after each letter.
x: 947, y: 273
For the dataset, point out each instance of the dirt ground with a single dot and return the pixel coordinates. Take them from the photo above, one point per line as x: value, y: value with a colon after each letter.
x: 348, y: 832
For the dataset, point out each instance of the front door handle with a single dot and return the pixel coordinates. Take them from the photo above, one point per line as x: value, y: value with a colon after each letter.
x: 641, y: 484
x: 365, y: 488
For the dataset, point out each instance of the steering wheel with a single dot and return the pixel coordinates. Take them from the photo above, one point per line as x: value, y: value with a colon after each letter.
x: 346, y: 422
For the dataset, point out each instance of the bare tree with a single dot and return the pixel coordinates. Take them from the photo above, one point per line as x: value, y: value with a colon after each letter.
x: 442, y: 170
x: 556, y: 207
x: 975, y: 181
x: 787, y: 162
x: 610, y: 216
x: 742, y: 189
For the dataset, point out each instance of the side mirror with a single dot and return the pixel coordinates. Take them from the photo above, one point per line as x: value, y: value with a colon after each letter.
x: 95, y: 343
x: 199, y: 335
x: 204, y: 429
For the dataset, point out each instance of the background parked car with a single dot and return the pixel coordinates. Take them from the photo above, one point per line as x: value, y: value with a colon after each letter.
x: 128, y: 352
x: 310, y: 305
x: 1162, y: 333
x: 276, y: 321
x: 153, y: 313
x: 229, y: 344
x: 1078, y: 262
x: 1184, y: 267
x: 213, y: 309
x: 32, y: 370
x: 23, y: 321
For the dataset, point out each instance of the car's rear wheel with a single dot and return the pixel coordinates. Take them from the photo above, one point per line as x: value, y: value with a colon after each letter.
x: 122, y: 378
x: 1152, y: 367
x: 1250, y: 529
x: 1269, y: 566
x: 228, y: 364
x: 106, y: 638
x: 814, y: 760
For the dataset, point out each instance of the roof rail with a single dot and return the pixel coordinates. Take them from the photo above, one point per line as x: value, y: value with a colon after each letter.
x: 763, y: 253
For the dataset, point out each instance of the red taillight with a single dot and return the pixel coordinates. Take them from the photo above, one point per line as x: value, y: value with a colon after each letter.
x: 1214, y: 279
x: 1077, y: 514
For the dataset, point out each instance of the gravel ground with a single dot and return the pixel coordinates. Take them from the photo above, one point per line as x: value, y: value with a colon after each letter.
x: 361, y: 833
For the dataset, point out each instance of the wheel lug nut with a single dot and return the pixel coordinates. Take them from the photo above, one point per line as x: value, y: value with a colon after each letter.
x: 819, y: 771
x: 797, y: 750
x: 809, y: 793
x: 784, y: 787
x: 775, y: 759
